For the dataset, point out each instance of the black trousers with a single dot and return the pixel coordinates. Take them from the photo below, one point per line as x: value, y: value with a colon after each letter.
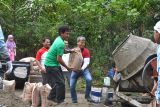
x: 56, y: 80
x: 44, y: 78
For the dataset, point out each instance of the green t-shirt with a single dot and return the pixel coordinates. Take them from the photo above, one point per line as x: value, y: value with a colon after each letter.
x: 57, y: 48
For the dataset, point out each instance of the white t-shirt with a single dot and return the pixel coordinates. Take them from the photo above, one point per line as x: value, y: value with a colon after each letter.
x: 65, y: 58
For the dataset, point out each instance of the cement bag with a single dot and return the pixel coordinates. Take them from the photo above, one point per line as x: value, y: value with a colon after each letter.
x: 27, y: 91
x: 76, y: 59
x: 27, y: 59
x: 44, y: 91
x: 9, y: 85
x: 36, y: 95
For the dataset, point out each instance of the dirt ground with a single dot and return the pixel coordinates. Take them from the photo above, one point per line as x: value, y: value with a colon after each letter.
x: 8, y: 99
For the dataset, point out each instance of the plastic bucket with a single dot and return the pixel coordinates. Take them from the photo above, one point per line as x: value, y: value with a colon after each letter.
x: 20, y: 73
x: 96, y: 94
x: 107, y: 81
x: 110, y: 97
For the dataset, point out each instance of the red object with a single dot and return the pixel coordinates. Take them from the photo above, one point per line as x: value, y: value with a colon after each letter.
x: 85, y: 53
x: 40, y: 53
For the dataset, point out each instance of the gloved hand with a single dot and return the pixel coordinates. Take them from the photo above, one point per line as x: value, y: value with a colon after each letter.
x: 10, y: 67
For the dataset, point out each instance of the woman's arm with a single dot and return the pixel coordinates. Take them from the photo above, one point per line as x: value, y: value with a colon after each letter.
x: 14, y: 51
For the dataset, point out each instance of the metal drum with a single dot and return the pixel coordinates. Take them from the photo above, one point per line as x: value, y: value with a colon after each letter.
x: 131, y: 54
x: 132, y: 58
x: 20, y: 73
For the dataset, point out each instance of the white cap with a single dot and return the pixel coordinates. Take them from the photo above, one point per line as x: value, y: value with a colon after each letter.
x: 157, y: 27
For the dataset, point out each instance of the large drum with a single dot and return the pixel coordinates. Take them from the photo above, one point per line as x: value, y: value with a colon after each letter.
x: 131, y: 57
x: 20, y: 72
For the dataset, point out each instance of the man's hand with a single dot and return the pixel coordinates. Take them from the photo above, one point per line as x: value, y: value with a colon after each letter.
x: 69, y: 69
x: 43, y: 70
x: 69, y: 50
x: 75, y: 70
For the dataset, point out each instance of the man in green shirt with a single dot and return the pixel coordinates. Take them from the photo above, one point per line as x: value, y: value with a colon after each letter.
x: 52, y: 63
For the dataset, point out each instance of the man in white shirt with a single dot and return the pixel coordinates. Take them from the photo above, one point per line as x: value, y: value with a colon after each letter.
x: 65, y: 58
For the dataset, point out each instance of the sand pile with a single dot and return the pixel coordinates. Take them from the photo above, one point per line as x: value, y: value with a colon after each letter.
x: 8, y: 99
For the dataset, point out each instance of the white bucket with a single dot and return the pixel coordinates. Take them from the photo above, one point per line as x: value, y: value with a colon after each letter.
x: 107, y: 81
x: 96, y: 94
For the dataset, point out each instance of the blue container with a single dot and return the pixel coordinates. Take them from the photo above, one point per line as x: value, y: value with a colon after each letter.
x: 96, y: 96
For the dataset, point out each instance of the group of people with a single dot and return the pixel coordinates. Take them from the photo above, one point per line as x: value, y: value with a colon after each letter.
x: 50, y: 59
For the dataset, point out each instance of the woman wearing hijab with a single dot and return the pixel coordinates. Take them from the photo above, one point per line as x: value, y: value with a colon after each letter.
x: 11, y: 46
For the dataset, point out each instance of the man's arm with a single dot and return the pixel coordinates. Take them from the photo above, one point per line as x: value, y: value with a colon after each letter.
x: 15, y: 52
x: 68, y: 50
x: 85, y: 63
x: 86, y: 60
x: 40, y: 66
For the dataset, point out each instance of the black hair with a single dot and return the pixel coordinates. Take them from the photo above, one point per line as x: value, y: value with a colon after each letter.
x: 63, y: 29
x: 113, y: 65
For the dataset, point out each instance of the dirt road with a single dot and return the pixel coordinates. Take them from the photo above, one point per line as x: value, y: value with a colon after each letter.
x: 14, y: 100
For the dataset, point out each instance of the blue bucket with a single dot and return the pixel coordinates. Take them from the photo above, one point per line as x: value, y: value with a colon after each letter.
x: 96, y: 96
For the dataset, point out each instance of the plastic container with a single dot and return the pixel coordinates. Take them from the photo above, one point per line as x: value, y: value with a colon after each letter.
x: 20, y: 73
x: 96, y: 94
x: 110, y: 97
x: 107, y: 81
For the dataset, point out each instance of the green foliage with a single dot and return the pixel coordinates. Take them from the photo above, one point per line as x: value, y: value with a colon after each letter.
x: 104, y: 23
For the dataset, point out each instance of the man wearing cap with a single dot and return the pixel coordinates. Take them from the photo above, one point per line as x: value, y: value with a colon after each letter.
x: 157, y: 40
x: 4, y: 52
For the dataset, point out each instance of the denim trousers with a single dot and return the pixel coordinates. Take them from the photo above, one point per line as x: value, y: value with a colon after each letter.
x: 4, y: 51
x: 73, y: 80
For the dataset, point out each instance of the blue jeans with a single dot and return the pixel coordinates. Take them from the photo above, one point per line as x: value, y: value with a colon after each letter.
x: 73, y: 80
x: 4, y: 51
